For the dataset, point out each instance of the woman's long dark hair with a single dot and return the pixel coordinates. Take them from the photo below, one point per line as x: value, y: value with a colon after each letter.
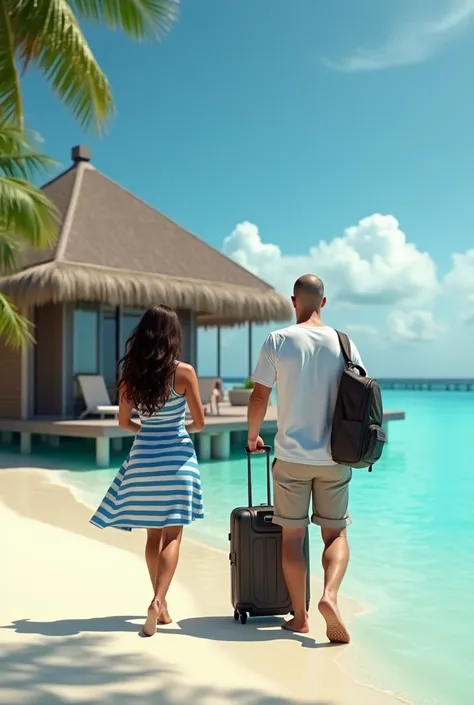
x: 149, y: 364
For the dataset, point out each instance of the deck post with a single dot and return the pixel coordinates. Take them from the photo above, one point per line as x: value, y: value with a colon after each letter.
x: 6, y: 437
x: 117, y: 444
x: 221, y: 446
x: 204, y: 446
x: 238, y: 439
x: 102, y: 451
x: 25, y: 443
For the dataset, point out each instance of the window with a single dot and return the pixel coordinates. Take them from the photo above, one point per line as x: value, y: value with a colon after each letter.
x: 129, y: 322
x: 95, y: 344
x: 86, y: 341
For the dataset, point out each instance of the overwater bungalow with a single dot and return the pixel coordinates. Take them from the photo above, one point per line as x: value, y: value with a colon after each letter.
x: 114, y: 257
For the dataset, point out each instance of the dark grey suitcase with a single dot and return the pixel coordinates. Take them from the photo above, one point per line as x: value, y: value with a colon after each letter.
x: 258, y: 587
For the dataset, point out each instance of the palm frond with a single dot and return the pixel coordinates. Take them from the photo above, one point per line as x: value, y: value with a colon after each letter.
x: 18, y: 157
x: 48, y: 33
x: 9, y: 248
x: 26, y: 213
x: 139, y: 19
x: 11, y: 106
x: 14, y: 328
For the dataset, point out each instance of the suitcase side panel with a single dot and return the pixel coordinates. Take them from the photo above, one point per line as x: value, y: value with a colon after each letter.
x: 257, y: 583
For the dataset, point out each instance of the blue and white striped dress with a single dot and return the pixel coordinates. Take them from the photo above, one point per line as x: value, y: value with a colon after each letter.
x: 159, y: 483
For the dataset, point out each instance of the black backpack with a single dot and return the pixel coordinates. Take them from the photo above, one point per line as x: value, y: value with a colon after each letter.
x: 357, y: 437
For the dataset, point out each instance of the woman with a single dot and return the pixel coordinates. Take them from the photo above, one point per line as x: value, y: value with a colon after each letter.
x: 158, y: 487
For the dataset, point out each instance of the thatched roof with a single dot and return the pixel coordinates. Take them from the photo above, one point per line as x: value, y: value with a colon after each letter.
x: 115, y: 249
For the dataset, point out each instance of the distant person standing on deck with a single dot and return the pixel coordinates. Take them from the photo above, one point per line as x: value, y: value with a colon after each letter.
x: 306, y: 363
x: 158, y: 488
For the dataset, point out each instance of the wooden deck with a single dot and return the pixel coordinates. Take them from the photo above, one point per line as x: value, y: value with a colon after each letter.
x: 213, y: 441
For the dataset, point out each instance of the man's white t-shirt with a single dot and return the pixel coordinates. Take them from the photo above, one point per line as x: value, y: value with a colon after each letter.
x: 306, y: 363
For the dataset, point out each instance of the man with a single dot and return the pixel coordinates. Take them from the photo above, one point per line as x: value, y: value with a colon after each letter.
x: 306, y: 363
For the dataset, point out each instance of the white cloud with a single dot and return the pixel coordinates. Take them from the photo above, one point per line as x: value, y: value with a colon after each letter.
x: 371, y: 263
x: 413, y: 326
x: 460, y: 282
x: 469, y: 317
x: 401, y: 327
x: 461, y: 277
x: 245, y: 246
x: 413, y: 41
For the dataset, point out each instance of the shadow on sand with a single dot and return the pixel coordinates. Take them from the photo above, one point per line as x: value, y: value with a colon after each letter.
x: 225, y: 629
x: 62, y: 671
x: 73, y: 627
x: 222, y: 629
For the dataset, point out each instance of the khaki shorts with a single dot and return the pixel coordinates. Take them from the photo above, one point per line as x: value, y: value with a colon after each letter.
x: 293, y: 486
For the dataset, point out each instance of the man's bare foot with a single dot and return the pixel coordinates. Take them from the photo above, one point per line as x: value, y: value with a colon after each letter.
x: 299, y: 626
x: 335, y: 631
x: 149, y: 628
x: 164, y: 616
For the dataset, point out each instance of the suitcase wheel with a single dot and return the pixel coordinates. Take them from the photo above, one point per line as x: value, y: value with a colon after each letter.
x: 236, y: 616
x: 243, y: 617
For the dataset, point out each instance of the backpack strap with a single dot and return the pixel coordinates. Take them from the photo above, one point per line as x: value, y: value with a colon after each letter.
x: 345, y: 346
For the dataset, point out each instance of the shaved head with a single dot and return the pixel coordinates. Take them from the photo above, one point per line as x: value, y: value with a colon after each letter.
x: 308, y: 292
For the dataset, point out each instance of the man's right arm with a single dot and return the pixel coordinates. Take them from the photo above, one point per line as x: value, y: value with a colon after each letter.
x: 264, y: 377
x: 265, y: 370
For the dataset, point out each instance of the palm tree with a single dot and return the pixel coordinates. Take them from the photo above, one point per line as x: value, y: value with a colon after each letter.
x: 47, y: 33
x: 27, y: 218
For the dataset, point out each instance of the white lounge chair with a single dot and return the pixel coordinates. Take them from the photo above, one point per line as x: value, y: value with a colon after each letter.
x: 96, y: 397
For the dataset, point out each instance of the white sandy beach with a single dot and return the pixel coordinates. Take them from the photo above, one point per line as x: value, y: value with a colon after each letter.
x: 73, y: 600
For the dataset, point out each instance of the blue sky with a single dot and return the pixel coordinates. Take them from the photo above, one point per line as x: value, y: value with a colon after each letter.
x: 283, y: 125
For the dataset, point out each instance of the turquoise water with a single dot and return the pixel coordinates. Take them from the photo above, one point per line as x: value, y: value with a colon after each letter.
x: 412, y: 543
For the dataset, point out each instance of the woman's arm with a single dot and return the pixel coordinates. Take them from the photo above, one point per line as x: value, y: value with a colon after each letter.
x: 125, y: 413
x: 186, y: 379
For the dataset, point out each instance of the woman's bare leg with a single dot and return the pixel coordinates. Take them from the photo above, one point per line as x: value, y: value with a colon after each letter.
x: 163, y: 568
x: 152, y: 557
x: 169, y: 557
x: 152, y: 553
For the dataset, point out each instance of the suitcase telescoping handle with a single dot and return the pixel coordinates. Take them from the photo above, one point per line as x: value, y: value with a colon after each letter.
x: 267, y: 450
